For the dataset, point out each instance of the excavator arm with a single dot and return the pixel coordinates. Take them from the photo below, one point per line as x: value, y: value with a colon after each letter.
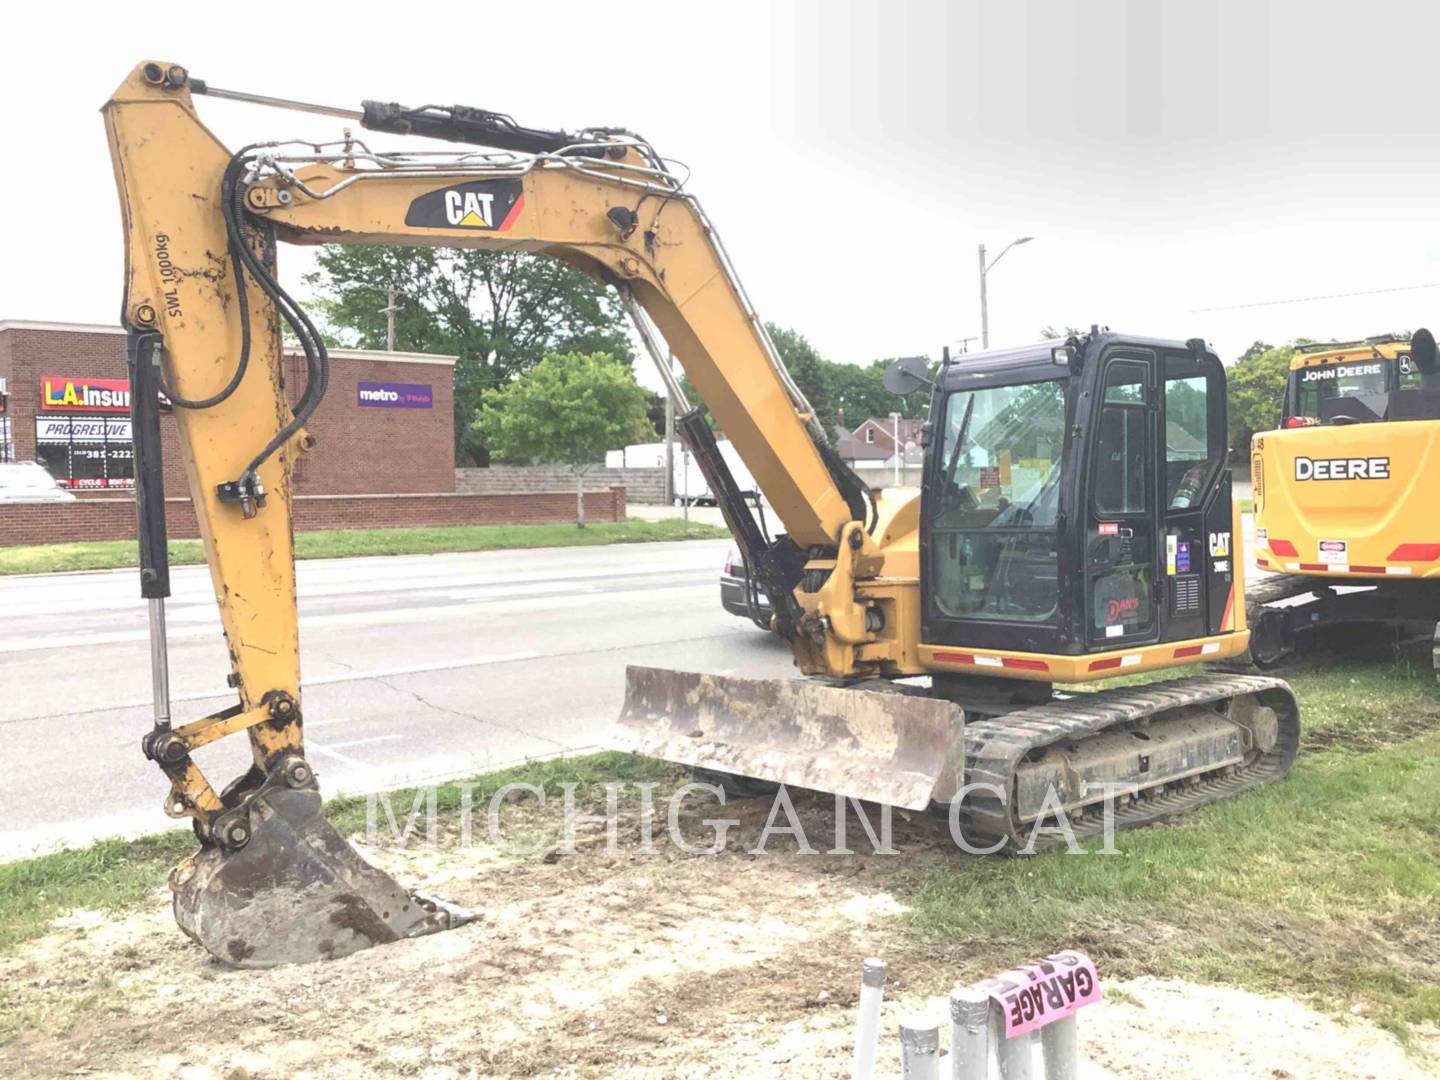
x: 206, y: 316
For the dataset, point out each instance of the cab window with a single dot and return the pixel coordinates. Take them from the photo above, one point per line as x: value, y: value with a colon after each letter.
x: 1320, y: 382
x: 993, y: 552
x: 1194, y: 431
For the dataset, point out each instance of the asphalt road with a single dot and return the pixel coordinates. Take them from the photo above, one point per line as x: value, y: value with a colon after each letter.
x: 414, y: 668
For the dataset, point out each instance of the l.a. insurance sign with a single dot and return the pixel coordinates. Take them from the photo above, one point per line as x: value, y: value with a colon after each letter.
x: 391, y: 395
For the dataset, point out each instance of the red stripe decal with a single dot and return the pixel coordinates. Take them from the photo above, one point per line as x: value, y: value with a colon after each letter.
x: 1262, y: 562
x: 513, y: 214
x: 1415, y: 553
x: 1025, y: 665
x: 1366, y: 569
x: 1189, y: 650
x: 955, y: 658
x: 1316, y: 566
x: 1103, y: 665
x: 1227, y: 621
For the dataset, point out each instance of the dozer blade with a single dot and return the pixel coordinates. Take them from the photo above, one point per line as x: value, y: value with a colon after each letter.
x: 879, y: 746
x: 296, y: 892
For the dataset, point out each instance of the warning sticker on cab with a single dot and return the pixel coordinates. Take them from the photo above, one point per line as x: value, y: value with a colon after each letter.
x: 1334, y: 551
x: 1041, y: 993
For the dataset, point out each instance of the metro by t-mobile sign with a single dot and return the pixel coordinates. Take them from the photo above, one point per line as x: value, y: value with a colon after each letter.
x: 390, y: 395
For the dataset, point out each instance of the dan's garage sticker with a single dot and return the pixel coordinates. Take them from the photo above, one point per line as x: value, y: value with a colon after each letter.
x: 1334, y: 551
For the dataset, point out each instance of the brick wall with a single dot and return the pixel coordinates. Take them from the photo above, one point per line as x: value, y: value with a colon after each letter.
x: 358, y: 450
x: 113, y: 517
x: 642, y: 485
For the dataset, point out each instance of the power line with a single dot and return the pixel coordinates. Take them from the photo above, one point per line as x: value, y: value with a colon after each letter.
x: 1308, y: 299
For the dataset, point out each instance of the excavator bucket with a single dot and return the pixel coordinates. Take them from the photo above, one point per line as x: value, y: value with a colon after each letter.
x: 880, y: 746
x: 296, y: 892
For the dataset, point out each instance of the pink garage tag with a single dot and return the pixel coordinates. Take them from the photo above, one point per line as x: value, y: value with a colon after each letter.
x: 1041, y: 993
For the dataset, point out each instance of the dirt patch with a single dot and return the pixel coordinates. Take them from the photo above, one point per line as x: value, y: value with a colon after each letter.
x: 602, y: 965
x: 1379, y: 737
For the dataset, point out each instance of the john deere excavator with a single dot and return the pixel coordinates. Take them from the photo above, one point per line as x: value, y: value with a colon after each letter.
x: 1076, y: 522
x: 1346, y: 518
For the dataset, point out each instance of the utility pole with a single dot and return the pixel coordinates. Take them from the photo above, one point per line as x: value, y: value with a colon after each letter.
x: 389, y: 312
x: 984, y: 304
x: 670, y: 441
x: 899, y: 449
x: 985, y: 269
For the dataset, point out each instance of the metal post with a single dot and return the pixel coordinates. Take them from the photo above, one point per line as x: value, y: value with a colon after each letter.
x: 984, y: 309
x: 867, y: 1024
x: 899, y: 450
x: 919, y: 1048
x: 1062, y: 1050
x: 685, y: 483
x: 969, y: 1034
x: 159, y: 661
x: 670, y: 446
x: 389, y: 310
x: 1014, y: 1056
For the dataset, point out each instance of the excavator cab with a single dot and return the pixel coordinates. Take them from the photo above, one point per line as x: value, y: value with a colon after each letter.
x: 1075, y: 499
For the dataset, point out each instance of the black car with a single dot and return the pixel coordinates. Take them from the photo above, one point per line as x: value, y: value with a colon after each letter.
x: 739, y: 596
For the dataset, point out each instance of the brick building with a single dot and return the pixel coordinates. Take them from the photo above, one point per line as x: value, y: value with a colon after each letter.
x: 385, y: 426
x: 384, y: 453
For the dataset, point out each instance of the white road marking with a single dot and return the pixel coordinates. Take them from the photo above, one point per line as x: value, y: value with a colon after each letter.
x: 344, y: 759
x: 361, y: 742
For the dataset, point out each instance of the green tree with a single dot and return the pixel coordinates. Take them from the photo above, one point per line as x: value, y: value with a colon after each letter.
x: 810, y: 370
x: 569, y: 409
x: 834, y: 390
x: 499, y: 312
x: 1051, y: 332
x: 858, y: 393
x: 1257, y: 391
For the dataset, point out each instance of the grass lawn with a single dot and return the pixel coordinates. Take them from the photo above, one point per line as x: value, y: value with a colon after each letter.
x: 1326, y: 885
x: 342, y: 543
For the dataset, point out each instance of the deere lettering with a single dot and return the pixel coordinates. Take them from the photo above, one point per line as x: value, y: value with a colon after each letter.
x: 1317, y: 374
x: 1353, y: 468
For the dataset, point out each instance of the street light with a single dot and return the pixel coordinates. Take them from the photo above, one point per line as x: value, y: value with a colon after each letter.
x: 985, y: 269
x: 899, y: 448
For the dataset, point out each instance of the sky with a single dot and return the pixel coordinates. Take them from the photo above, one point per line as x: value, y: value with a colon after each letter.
x: 1199, y: 168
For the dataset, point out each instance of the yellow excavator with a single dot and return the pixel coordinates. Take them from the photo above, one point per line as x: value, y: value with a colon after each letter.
x: 1344, y: 514
x: 1075, y: 523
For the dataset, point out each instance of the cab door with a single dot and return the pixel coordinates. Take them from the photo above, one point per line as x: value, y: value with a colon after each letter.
x: 1120, y: 555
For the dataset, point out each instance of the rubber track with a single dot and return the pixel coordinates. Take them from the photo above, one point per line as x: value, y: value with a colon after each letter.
x: 994, y: 749
x: 1277, y: 587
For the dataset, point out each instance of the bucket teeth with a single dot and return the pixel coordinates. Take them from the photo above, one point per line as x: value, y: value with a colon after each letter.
x: 296, y: 892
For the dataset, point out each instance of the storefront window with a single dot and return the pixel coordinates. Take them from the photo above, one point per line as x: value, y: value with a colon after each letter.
x: 7, y: 444
x: 86, y: 451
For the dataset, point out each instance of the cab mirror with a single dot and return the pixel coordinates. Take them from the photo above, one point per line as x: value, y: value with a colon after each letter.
x: 1422, y: 351
x: 906, y: 375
